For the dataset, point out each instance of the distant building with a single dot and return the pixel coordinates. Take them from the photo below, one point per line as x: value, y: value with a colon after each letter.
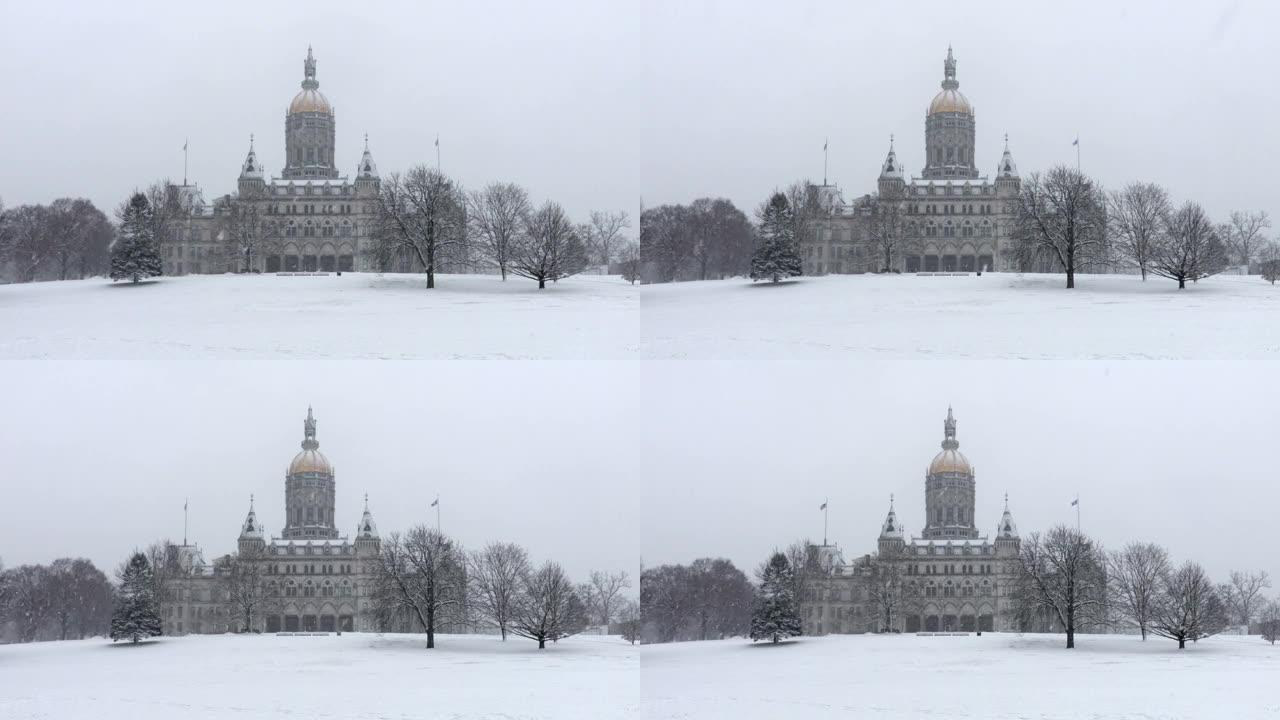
x: 311, y: 217
x: 316, y: 579
x: 950, y: 218
x: 950, y: 578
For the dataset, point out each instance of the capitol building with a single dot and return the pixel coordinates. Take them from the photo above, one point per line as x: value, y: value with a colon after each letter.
x: 311, y: 218
x: 315, y: 579
x: 949, y: 578
x: 949, y: 218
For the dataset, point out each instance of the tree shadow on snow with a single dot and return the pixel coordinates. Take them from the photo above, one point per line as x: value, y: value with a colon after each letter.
x: 795, y: 282
x: 140, y: 283
x: 153, y: 642
x: 779, y: 644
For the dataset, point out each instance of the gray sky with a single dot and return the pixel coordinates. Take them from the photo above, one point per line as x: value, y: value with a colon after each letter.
x: 598, y: 104
x: 99, y: 97
x: 98, y: 457
x: 1180, y: 453
x: 1180, y: 94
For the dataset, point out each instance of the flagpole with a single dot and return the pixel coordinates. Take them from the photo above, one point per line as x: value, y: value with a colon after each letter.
x: 184, y: 163
x: 184, y: 500
x: 824, y: 162
x: 824, y: 505
x: 437, y: 503
x: 1077, y: 159
x: 437, y: 170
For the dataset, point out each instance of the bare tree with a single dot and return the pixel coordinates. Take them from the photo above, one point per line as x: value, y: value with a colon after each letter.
x: 666, y: 242
x: 885, y: 587
x: 1269, y: 255
x: 885, y: 231
x: 1245, y: 234
x: 806, y: 209
x: 1243, y: 595
x: 496, y: 217
x: 420, y: 575
x: 605, y: 234
x: 28, y: 242
x: 245, y: 231
x: 242, y: 578
x: 496, y: 574
x: 1134, y: 577
x: 421, y: 215
x: 549, y: 248
x: 1271, y: 621
x: 602, y: 593
x: 164, y: 558
x: 1063, y: 573
x: 549, y: 608
x: 1189, y: 248
x: 629, y: 620
x: 629, y: 262
x: 1062, y: 217
x: 1135, y: 217
x: 1189, y: 607
x: 31, y: 600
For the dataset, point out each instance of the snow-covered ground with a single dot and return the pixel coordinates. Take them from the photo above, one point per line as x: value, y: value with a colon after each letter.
x: 355, y: 316
x: 992, y: 677
x: 352, y: 677
x: 995, y: 316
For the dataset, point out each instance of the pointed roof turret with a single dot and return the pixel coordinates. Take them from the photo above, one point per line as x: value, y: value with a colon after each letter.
x: 368, y: 168
x: 892, y: 169
x: 1008, y: 168
x: 368, y: 528
x: 252, y: 169
x: 252, y: 529
x: 892, y: 529
x: 1008, y: 528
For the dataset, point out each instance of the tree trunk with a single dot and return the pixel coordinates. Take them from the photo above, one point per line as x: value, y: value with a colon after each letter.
x: 1182, y: 643
x: 542, y: 283
x: 542, y: 643
x: 1182, y: 283
x: 431, y: 278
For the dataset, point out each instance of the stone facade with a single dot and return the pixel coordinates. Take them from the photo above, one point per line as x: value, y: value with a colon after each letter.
x: 949, y: 219
x: 949, y: 579
x: 316, y: 579
x: 311, y: 219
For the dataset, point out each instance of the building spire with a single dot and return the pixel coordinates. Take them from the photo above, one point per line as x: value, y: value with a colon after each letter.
x: 309, y: 72
x: 949, y: 441
x: 949, y: 71
x: 309, y: 432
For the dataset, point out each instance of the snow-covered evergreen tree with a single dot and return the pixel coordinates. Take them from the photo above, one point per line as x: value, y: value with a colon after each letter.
x: 777, y: 255
x: 137, y: 614
x: 135, y: 254
x: 776, y: 614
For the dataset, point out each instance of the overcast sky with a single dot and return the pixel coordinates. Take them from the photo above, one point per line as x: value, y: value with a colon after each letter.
x: 99, y: 97
x: 99, y: 457
x: 745, y: 94
x: 599, y: 104
x: 1179, y: 453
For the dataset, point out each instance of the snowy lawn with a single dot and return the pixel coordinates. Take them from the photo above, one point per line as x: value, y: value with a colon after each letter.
x: 992, y: 316
x: 354, y: 316
x: 352, y: 677
x: 995, y: 676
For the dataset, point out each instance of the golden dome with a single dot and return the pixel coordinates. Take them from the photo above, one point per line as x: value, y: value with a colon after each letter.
x: 950, y: 461
x: 310, y: 461
x: 949, y: 100
x: 310, y: 100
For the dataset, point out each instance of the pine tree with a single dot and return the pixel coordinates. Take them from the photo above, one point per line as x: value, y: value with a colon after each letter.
x: 775, y: 615
x: 137, y: 614
x: 777, y: 255
x: 134, y: 254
